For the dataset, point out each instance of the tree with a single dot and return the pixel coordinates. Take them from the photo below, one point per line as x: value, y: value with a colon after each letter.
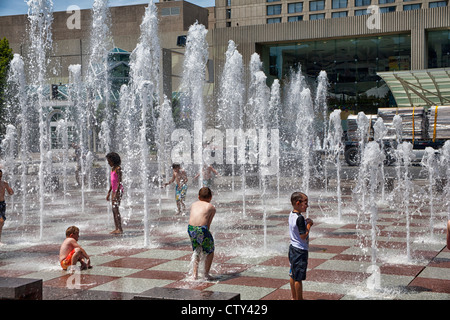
x: 6, y: 56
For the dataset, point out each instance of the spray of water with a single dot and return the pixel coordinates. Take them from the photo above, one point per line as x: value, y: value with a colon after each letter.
x: 18, y: 102
x: 335, y: 146
x: 230, y: 113
x: 40, y: 18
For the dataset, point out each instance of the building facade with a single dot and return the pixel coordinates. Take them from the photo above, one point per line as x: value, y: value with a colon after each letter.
x: 351, y: 40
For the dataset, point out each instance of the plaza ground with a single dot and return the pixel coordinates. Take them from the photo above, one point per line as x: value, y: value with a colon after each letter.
x: 251, y: 246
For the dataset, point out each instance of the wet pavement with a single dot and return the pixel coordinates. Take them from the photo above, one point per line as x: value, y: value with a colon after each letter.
x: 251, y: 247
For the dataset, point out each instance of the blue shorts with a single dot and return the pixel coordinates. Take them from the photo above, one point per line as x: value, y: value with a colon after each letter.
x: 180, y: 192
x: 298, y: 260
x: 3, y: 210
x: 201, y: 238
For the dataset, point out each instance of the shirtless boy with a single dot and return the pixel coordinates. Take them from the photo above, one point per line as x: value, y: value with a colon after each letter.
x: 4, y: 186
x: 71, y: 252
x: 208, y: 177
x: 201, y: 216
x: 180, y: 176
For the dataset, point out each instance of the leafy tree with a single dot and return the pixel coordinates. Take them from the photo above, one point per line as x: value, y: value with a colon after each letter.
x: 6, y: 56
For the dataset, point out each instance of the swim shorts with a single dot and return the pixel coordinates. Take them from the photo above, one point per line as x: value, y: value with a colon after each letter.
x: 201, y: 237
x: 2, y: 210
x: 180, y: 193
x: 65, y: 263
x: 298, y: 259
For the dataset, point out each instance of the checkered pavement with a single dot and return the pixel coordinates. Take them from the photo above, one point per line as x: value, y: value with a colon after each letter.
x: 251, y: 249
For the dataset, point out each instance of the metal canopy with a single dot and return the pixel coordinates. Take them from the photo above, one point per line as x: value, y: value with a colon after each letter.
x: 428, y: 87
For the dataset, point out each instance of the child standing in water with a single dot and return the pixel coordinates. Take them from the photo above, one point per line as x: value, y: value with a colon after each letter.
x: 116, y: 189
x: 299, y: 228
x: 180, y: 176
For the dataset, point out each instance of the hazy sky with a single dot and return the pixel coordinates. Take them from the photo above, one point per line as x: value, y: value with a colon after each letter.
x: 13, y: 7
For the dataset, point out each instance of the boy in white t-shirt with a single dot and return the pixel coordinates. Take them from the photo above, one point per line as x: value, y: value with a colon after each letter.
x: 299, y: 227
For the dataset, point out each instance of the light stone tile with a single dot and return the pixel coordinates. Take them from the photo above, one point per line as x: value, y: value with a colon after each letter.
x: 246, y: 292
x: 132, y: 285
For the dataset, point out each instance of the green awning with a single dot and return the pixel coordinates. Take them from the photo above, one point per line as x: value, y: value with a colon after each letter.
x: 428, y: 87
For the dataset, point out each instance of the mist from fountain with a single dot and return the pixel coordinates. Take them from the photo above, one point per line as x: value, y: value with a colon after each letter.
x: 335, y: 147
x: 274, y: 107
x: 321, y: 125
x: 97, y: 81
x: 380, y: 132
x: 8, y: 147
x: 164, y: 128
x: 363, y: 135
x: 445, y: 167
x: 97, y: 76
x: 40, y: 18
x: 230, y: 113
x: 301, y: 107
x: 370, y: 165
x: 18, y: 113
x: 430, y: 163
x: 192, y: 84
x: 62, y: 133
x: 404, y: 157
x: 141, y: 98
x: 78, y: 115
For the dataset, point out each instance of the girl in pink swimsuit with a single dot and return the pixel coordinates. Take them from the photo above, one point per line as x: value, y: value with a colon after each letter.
x: 116, y: 189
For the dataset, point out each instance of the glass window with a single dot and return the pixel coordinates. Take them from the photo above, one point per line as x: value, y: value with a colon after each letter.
x: 409, y: 7
x: 351, y: 65
x: 438, y: 49
x: 339, y: 14
x: 361, y: 12
x: 317, y: 5
x: 272, y: 0
x: 438, y: 4
x: 228, y: 13
x: 273, y: 20
x: 228, y: 3
x: 174, y: 11
x: 339, y: 4
x: 360, y: 3
x: 274, y: 9
x: 295, y: 18
x: 387, y: 9
x: 295, y: 7
x: 317, y: 16
x: 385, y: 1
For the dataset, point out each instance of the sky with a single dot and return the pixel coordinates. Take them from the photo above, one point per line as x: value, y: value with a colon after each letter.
x: 13, y: 7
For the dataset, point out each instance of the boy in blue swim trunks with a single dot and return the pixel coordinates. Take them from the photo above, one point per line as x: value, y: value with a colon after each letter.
x: 200, y: 218
x: 299, y: 227
x: 181, y: 179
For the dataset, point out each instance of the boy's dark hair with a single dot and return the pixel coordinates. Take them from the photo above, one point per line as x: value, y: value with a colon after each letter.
x: 176, y: 165
x: 205, y: 193
x: 114, y: 157
x: 71, y: 230
x: 298, y: 196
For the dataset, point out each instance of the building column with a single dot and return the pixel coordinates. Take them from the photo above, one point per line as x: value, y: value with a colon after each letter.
x: 418, y: 48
